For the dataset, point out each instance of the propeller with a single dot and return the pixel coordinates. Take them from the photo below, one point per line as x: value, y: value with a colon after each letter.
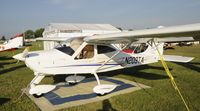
x: 22, y: 56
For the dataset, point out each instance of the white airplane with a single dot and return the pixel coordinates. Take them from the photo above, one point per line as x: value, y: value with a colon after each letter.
x: 13, y: 43
x: 98, y: 53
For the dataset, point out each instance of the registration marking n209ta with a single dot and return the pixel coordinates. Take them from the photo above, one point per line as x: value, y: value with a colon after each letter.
x: 134, y: 60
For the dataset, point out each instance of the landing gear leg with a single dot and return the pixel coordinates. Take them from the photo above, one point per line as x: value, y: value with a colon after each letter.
x: 38, y: 90
x: 97, y: 78
x: 106, y: 88
x: 102, y: 89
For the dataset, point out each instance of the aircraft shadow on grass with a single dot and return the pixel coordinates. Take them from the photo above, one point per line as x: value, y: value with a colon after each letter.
x: 191, y: 65
x: 4, y: 100
x: 5, y: 63
x: 4, y: 58
x: 12, y: 69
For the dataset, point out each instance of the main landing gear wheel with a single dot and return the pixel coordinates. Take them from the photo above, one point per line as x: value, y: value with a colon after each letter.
x: 37, y: 96
x: 39, y: 90
x: 74, y: 79
x: 104, y: 89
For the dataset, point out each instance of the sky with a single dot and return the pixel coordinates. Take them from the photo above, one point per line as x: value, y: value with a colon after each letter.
x: 16, y: 16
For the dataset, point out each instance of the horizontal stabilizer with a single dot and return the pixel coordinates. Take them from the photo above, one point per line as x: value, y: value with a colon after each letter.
x: 174, y: 58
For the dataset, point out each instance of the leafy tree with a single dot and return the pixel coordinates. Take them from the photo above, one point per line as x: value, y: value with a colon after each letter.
x: 29, y: 34
x: 38, y: 32
x: 3, y: 38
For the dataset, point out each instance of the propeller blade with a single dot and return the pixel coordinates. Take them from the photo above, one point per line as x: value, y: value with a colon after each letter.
x: 21, y: 56
x: 25, y: 52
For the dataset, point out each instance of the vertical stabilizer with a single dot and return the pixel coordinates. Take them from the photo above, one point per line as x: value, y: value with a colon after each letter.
x: 151, y: 50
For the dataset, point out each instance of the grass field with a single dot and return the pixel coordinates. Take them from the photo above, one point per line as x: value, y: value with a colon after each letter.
x: 161, y: 97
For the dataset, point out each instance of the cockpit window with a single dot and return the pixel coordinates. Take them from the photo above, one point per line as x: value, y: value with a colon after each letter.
x: 104, y: 49
x: 66, y: 50
x: 86, y: 53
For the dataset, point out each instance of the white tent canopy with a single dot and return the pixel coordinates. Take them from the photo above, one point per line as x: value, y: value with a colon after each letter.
x: 75, y: 30
x: 81, y: 28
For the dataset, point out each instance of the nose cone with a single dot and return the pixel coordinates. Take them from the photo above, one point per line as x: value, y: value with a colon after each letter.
x: 19, y: 57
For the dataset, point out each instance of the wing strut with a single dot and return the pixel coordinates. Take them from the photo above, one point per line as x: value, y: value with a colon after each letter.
x: 170, y: 75
x: 106, y: 88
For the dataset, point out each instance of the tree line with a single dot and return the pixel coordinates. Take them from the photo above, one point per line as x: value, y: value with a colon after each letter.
x: 29, y: 34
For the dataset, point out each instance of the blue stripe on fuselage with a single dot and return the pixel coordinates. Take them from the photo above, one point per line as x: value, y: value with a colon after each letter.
x: 84, y: 65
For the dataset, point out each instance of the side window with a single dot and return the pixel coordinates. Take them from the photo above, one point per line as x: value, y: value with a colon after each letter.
x: 86, y: 53
x: 104, y: 49
x: 139, y: 48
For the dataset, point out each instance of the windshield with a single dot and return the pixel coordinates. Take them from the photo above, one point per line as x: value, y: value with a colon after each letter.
x: 76, y: 43
x: 70, y: 47
x: 66, y: 50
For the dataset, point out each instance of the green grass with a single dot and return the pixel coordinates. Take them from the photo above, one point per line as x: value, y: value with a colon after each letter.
x: 161, y: 97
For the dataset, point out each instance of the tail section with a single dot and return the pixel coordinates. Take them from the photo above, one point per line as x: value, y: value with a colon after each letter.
x: 13, y: 43
x: 16, y: 42
x: 152, y: 50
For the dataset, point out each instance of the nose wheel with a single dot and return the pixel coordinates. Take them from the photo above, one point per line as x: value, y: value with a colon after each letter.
x: 37, y: 96
x: 38, y: 90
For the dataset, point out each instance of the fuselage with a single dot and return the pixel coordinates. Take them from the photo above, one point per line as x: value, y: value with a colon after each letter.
x: 85, y: 59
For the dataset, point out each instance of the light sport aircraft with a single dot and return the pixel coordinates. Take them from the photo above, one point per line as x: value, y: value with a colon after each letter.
x: 99, y: 53
x: 13, y: 43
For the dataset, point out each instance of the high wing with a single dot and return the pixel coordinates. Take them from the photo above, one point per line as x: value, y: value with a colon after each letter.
x: 136, y: 35
x: 168, y: 39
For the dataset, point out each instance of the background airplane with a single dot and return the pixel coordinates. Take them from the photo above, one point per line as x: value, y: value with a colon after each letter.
x: 13, y: 43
